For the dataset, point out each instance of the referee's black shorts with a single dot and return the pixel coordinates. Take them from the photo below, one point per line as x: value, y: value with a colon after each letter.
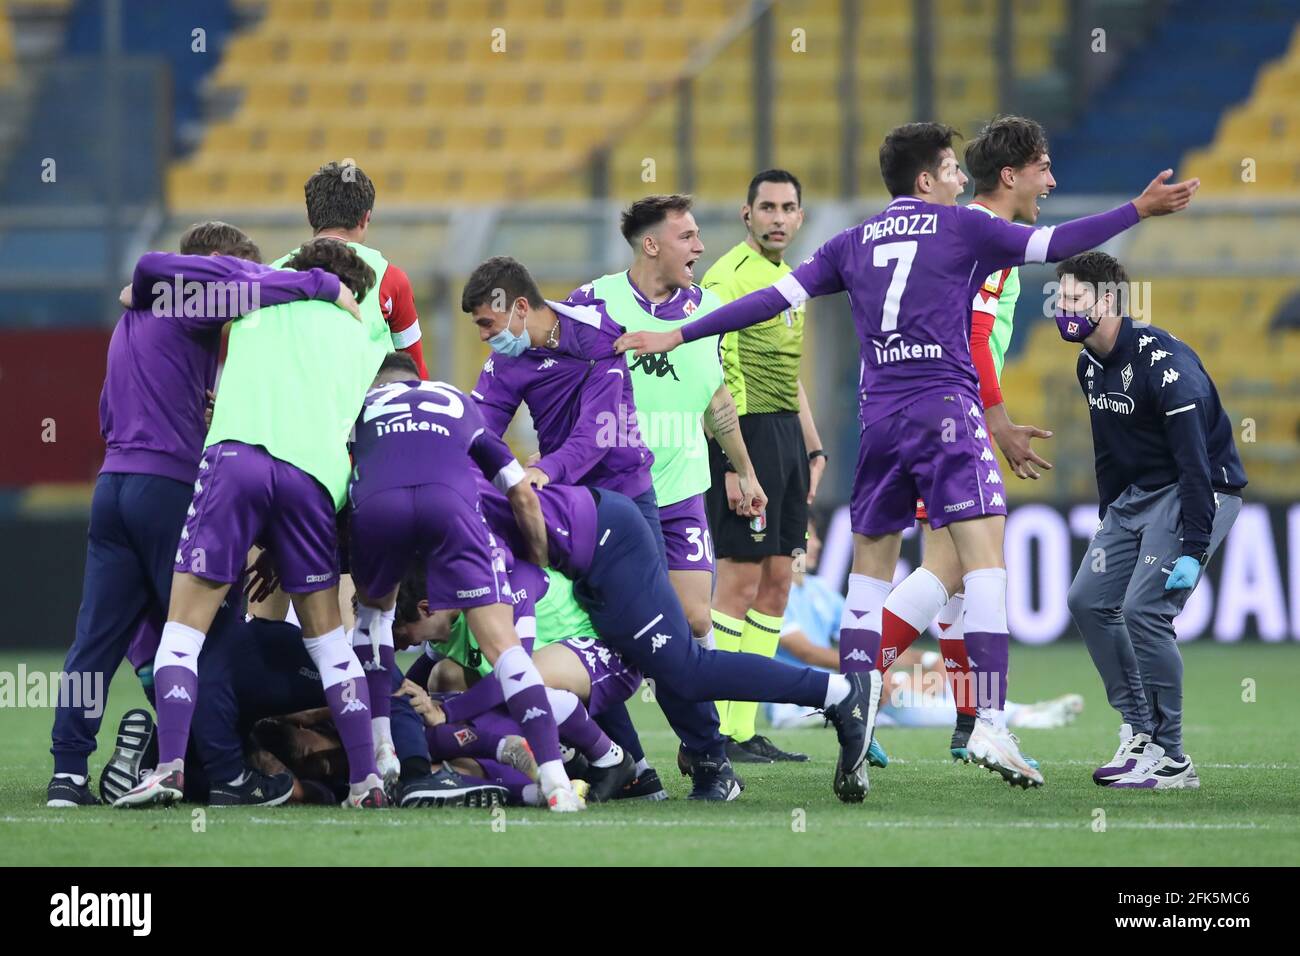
x: 776, y: 447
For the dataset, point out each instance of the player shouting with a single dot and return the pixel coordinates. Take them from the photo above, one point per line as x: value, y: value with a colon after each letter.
x: 910, y: 272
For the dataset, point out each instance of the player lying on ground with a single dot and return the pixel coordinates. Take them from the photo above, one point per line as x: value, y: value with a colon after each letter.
x: 599, y: 540
x: 162, y: 365
x: 416, y: 449
x: 275, y: 470
x: 910, y: 273
x: 1169, y: 481
x: 583, y: 676
x: 253, y: 674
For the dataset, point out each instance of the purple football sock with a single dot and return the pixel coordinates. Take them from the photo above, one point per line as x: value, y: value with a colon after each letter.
x: 349, y: 703
x: 508, y: 777
x: 989, y: 655
x: 580, y: 732
x: 449, y: 741
x: 378, y: 670
x: 479, y: 699
x: 527, y: 702
x: 176, y: 688
x: 860, y: 623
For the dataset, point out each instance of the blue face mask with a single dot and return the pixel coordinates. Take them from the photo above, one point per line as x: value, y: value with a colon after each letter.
x: 1074, y: 326
x: 506, y: 342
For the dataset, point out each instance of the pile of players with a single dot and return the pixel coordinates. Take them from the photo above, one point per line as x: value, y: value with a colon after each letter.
x: 549, y: 591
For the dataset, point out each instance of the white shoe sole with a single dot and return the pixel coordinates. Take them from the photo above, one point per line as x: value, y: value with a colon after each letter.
x: 152, y: 795
x: 1018, y: 774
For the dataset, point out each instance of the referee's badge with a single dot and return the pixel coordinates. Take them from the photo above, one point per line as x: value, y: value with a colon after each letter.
x: 1126, y: 376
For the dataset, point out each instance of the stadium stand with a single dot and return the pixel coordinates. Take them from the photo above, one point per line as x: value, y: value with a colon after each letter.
x: 441, y: 118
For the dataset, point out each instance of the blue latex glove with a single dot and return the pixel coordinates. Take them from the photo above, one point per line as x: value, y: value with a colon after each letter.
x: 1186, y: 570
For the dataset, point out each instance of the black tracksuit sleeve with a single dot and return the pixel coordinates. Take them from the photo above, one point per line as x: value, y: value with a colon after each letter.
x: 1183, y: 404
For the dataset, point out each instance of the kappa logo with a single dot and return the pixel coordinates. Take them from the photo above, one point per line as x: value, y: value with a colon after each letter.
x: 178, y: 693
x: 549, y: 363
x: 465, y: 736
x: 950, y: 664
x: 658, y: 641
x: 656, y: 365
x: 1144, y: 341
x: 532, y: 713
x: 987, y: 454
x: 1157, y: 355
x: 203, y: 465
x: 190, y: 512
x: 1171, y: 375
x: 857, y: 654
x: 974, y: 412
x: 353, y: 706
x: 198, y: 486
x: 889, y: 655
x: 1126, y: 376
x: 981, y: 434
x: 993, y: 478
x: 372, y: 665
x: 996, y: 501
x: 1088, y: 374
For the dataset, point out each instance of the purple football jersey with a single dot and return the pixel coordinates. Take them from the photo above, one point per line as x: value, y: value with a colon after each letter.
x: 415, y: 433
x: 570, y: 516
x: 162, y: 357
x: 580, y: 398
x: 910, y: 272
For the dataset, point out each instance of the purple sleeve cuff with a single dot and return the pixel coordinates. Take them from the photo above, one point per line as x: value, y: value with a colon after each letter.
x: 746, y: 311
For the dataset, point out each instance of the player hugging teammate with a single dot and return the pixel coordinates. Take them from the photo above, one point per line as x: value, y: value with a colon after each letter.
x: 427, y: 481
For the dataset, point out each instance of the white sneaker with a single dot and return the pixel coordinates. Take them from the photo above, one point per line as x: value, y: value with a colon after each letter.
x: 1131, y: 749
x: 998, y: 750
x: 1158, y: 771
x: 565, y: 800
x: 390, y: 768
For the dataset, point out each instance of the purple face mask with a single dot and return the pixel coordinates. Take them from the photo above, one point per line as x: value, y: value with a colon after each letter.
x: 1074, y: 327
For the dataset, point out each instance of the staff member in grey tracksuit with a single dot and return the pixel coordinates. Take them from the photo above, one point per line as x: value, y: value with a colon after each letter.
x: 1170, y: 482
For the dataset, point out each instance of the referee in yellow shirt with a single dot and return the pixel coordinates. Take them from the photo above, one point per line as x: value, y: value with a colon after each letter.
x: 761, y: 370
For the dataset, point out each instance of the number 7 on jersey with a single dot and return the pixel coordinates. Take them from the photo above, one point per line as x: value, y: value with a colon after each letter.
x: 903, y: 253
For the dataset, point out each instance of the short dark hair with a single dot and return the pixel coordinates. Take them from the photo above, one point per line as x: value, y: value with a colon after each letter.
x: 774, y: 176
x: 1095, y: 268
x: 413, y: 589
x: 336, y: 257
x: 1013, y: 141
x: 500, y: 275
x: 338, y: 196
x: 399, y: 366
x: 910, y: 150
x: 644, y: 214
x: 221, y: 238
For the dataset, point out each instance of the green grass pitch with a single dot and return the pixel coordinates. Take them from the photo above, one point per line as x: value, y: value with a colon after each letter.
x: 921, y: 810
